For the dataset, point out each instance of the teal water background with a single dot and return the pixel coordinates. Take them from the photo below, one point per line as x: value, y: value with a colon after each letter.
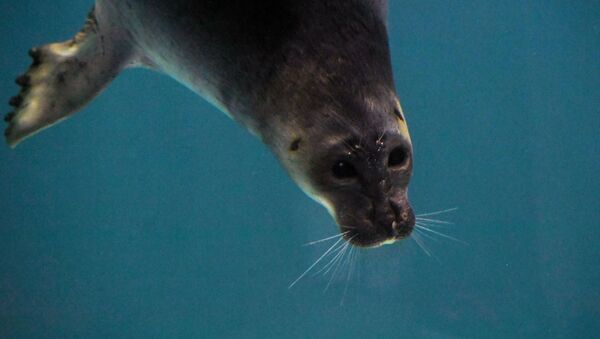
x: 151, y: 215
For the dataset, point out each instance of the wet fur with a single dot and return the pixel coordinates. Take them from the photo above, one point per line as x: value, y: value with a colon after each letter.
x: 311, y: 78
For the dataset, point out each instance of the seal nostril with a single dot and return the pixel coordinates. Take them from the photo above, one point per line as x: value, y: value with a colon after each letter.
x: 398, y: 157
x: 404, y: 216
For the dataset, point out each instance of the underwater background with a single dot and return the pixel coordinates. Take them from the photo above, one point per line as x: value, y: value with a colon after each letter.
x: 151, y: 215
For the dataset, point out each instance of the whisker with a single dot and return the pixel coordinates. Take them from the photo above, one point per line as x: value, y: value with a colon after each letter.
x: 350, y: 269
x: 315, y: 263
x: 325, y: 239
x: 441, y: 234
x: 435, y: 221
x: 332, y: 261
x: 381, y: 137
x: 340, y: 255
x: 357, y: 265
x: 337, y: 267
x: 416, y: 238
x: 421, y: 243
x: 437, y: 212
x: 424, y: 223
x: 426, y: 235
x: 348, y: 145
x: 338, y: 259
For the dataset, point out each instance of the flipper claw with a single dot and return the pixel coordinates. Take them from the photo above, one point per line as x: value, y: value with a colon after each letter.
x: 8, y: 117
x: 35, y: 54
x: 16, y: 101
x: 22, y: 80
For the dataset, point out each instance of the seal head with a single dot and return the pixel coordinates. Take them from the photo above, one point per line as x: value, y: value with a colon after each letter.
x: 331, y: 115
x: 358, y: 165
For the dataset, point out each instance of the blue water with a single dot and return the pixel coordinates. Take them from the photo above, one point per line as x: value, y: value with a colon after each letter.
x: 152, y: 215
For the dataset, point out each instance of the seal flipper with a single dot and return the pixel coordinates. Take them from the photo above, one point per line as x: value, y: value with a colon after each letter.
x: 62, y: 79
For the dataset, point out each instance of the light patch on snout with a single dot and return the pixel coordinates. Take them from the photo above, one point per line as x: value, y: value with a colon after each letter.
x: 402, y: 125
x: 326, y: 203
x: 319, y: 199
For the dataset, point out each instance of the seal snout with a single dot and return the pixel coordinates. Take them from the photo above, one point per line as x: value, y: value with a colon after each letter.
x: 394, y: 218
x: 404, y: 223
x: 389, y: 224
x: 399, y: 222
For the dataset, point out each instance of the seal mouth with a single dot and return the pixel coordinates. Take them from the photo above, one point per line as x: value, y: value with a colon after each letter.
x: 370, y: 236
x: 381, y: 224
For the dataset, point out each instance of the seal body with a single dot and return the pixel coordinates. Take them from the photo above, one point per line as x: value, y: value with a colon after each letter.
x: 311, y: 78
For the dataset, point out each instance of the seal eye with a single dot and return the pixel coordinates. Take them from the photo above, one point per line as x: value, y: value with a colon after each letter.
x: 397, y: 157
x: 295, y: 144
x: 343, y: 170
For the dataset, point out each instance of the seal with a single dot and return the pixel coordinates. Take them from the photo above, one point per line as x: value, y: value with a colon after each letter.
x: 311, y: 78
